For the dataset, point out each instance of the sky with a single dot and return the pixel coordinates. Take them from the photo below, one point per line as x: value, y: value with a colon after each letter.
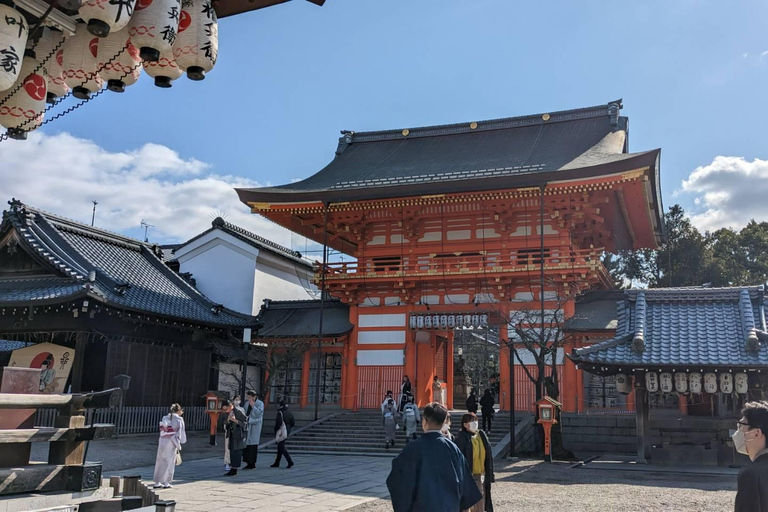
x: 692, y: 74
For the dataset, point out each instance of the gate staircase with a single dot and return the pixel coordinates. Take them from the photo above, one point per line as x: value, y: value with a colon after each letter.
x: 362, y: 433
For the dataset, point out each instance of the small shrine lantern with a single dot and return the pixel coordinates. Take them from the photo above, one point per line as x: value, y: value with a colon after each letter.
x: 49, y: 50
x: 213, y: 404
x: 681, y: 382
x: 710, y: 383
x: 623, y: 383
x: 165, y: 70
x: 104, y: 17
x: 118, y: 61
x: 197, y: 45
x: 80, y: 63
x: 742, y: 383
x: 22, y: 109
x: 695, y: 383
x: 154, y: 27
x: 13, y: 39
x: 548, y: 412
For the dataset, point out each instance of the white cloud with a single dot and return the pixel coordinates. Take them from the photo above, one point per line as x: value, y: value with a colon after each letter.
x: 729, y: 192
x: 179, y: 197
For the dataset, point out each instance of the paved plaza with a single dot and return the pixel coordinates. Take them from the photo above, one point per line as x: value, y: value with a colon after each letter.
x: 316, y: 483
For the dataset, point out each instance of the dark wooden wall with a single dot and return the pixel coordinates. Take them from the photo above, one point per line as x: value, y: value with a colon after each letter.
x: 159, y: 375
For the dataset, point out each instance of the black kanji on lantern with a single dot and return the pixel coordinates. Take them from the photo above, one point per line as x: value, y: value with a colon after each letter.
x: 122, y: 4
x: 169, y: 34
x: 208, y: 9
x: 9, y: 59
x: 208, y: 49
x: 11, y: 20
x: 209, y: 29
x: 173, y: 14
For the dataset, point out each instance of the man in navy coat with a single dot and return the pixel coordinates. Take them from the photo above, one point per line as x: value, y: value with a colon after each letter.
x: 431, y: 474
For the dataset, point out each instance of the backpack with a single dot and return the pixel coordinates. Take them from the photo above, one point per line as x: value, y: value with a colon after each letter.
x: 409, y: 413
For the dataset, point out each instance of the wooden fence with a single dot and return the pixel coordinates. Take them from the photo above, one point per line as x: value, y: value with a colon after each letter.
x: 132, y: 420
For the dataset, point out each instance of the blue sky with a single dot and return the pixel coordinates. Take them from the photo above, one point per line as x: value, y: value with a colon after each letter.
x: 691, y: 72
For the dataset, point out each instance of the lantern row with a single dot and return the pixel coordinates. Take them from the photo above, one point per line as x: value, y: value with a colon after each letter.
x: 447, y: 321
x: 116, y: 40
x: 695, y: 382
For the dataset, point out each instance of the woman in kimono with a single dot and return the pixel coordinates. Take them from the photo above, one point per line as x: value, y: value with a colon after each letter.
x: 172, y: 436
x: 389, y: 410
x: 405, y: 392
x: 412, y: 419
x: 437, y: 391
x: 227, y: 457
x: 237, y: 425
x: 476, y: 448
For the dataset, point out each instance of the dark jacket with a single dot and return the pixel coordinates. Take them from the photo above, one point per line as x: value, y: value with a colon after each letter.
x: 472, y: 403
x: 238, y: 430
x: 283, y: 414
x: 431, y: 474
x: 464, y: 442
x: 487, y: 402
x: 752, y: 495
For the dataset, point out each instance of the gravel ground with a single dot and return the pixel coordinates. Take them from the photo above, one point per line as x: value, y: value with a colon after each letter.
x: 532, y: 485
x: 134, y: 451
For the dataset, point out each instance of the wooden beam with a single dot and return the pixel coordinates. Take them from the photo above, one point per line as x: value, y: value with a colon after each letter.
x: 49, y: 434
x: 49, y: 477
x: 77, y: 364
x: 97, y: 400
x: 642, y: 418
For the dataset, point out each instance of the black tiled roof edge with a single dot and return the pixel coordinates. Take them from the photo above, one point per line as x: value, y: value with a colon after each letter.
x: 34, y: 223
x: 610, y: 109
x: 697, y: 293
x: 251, y: 239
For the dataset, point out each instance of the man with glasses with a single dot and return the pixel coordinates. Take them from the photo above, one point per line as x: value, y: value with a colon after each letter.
x: 750, y: 439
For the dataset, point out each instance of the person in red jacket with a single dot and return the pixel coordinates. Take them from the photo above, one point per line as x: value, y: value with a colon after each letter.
x: 750, y: 439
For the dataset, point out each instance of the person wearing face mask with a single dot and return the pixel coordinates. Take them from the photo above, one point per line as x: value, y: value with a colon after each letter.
x: 474, y: 445
x: 750, y: 439
x: 431, y: 474
x: 227, y: 457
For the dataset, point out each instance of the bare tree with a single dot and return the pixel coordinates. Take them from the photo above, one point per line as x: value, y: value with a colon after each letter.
x: 280, y: 355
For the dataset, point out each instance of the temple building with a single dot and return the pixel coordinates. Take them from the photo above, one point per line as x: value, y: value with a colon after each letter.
x: 467, y: 226
x: 101, y: 306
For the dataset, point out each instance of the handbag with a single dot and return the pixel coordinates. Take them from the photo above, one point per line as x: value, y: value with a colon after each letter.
x: 178, y: 458
x: 282, y: 434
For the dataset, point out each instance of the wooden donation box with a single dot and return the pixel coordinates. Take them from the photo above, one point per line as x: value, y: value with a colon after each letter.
x: 66, y: 469
x: 548, y: 412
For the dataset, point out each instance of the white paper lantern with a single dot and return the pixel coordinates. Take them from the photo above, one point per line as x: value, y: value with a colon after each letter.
x: 154, y: 26
x: 435, y: 321
x: 13, y: 40
x: 80, y: 63
x: 467, y: 320
x: 443, y: 321
x: 419, y: 319
x: 428, y: 322
x: 726, y: 383
x: 475, y: 320
x: 483, y: 320
x: 124, y: 70
x: 742, y: 383
x: 106, y: 16
x: 652, y: 382
x: 451, y: 321
x: 623, y: 384
x: 681, y: 382
x: 197, y: 45
x: 710, y: 383
x: 22, y: 109
x: 695, y: 382
x: 666, y: 382
x: 52, y: 60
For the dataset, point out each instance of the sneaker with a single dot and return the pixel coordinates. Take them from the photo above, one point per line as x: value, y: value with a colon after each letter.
x: 157, y: 486
x: 232, y: 472
x: 227, y: 467
x: 167, y: 486
x: 290, y: 466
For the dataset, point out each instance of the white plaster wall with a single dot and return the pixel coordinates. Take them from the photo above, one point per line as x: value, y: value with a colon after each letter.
x: 380, y: 358
x: 223, y: 275
x: 280, y: 280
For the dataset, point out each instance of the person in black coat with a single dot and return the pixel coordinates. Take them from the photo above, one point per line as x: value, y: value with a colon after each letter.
x: 750, y: 439
x: 470, y: 438
x: 237, y: 430
x: 283, y: 416
x: 472, y: 402
x: 431, y: 474
x: 405, y: 392
x: 486, y: 406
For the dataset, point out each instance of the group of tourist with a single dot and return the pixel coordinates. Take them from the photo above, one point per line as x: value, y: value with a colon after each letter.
x: 242, y: 435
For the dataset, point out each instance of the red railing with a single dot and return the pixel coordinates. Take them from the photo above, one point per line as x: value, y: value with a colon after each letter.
x: 498, y: 262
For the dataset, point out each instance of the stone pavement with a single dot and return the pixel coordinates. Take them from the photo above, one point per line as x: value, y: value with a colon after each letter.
x: 316, y: 483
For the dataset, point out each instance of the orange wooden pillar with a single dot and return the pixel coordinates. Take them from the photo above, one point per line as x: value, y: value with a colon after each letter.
x: 570, y: 383
x: 505, y: 400
x: 682, y: 402
x: 425, y: 370
x: 449, y: 377
x: 349, y: 385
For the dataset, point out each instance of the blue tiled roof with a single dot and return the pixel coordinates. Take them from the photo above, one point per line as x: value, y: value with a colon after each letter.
x: 706, y: 327
x: 10, y: 346
x: 113, y: 269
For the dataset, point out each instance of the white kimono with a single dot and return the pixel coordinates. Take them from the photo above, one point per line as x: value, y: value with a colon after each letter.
x: 172, y: 436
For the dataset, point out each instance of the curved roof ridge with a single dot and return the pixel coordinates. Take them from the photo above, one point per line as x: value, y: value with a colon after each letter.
x: 349, y: 136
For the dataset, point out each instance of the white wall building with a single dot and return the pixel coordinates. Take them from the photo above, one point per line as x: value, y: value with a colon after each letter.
x: 239, y: 269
